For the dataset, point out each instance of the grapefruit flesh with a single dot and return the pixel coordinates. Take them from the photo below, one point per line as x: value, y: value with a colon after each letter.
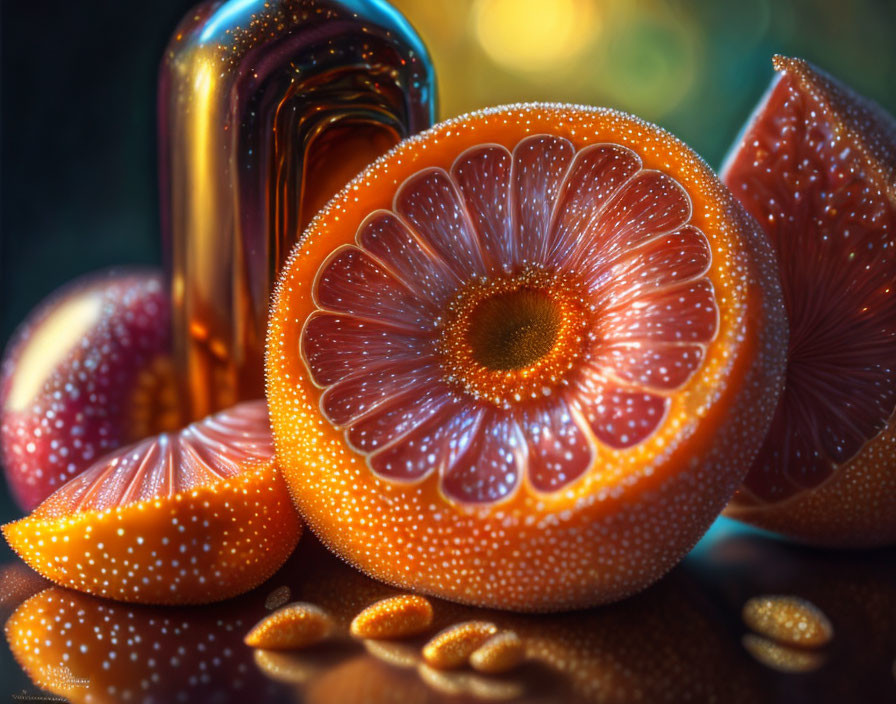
x: 524, y: 359
x: 189, y: 517
x: 816, y: 166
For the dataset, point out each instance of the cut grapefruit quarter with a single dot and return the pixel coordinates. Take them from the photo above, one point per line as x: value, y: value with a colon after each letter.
x: 194, y: 516
x: 525, y: 358
x: 816, y: 166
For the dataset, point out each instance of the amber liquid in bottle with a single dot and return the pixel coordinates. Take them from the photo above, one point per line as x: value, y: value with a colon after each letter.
x: 265, y: 110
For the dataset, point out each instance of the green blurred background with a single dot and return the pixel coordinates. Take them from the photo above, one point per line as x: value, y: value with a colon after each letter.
x: 79, y: 178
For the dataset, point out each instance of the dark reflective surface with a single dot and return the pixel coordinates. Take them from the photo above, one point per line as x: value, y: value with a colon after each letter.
x: 679, y: 641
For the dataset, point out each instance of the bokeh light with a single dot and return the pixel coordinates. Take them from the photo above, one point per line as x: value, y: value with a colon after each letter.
x: 533, y: 35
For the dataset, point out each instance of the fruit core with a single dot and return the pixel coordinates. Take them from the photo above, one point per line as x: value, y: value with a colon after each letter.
x: 514, y: 330
x: 512, y: 337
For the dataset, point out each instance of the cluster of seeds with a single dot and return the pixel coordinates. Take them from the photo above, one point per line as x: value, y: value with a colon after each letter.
x: 481, y: 644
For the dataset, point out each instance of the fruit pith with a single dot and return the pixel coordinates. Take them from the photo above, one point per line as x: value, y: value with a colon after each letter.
x: 522, y: 359
x: 816, y: 167
x: 188, y: 517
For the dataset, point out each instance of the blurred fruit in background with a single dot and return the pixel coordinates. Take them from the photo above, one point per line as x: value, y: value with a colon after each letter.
x: 88, y: 371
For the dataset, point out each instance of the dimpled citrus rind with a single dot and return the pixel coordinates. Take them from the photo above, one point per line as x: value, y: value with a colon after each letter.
x: 856, y: 505
x: 636, y: 512
x: 824, y: 517
x: 200, y: 546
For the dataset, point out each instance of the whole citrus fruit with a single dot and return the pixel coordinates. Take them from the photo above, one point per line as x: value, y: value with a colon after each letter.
x: 525, y: 358
x: 816, y: 166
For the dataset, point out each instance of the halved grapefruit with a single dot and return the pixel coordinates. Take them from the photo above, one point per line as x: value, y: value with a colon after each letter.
x: 816, y: 166
x: 189, y: 517
x: 525, y: 358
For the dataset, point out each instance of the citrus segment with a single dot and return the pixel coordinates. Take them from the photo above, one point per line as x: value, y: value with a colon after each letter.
x: 816, y: 167
x: 504, y: 322
x: 187, y: 517
x: 789, y: 620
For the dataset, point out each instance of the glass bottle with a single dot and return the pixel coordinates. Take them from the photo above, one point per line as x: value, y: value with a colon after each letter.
x: 266, y: 108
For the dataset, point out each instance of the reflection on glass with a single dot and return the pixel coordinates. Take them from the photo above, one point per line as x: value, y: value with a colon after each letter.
x: 266, y: 108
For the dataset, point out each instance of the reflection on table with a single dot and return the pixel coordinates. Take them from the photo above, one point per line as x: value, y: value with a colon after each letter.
x: 681, y: 640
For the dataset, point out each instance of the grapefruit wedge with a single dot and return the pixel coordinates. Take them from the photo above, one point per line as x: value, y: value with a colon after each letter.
x: 816, y: 166
x: 524, y: 359
x: 189, y: 517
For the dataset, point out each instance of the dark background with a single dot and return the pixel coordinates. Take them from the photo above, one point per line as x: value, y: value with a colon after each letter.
x: 78, y: 162
x: 78, y: 156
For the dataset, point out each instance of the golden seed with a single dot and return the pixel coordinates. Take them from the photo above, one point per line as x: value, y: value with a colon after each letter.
x: 277, y: 598
x: 396, y: 617
x: 294, y: 626
x: 500, y: 653
x: 452, y: 647
x: 781, y: 657
x: 788, y: 620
